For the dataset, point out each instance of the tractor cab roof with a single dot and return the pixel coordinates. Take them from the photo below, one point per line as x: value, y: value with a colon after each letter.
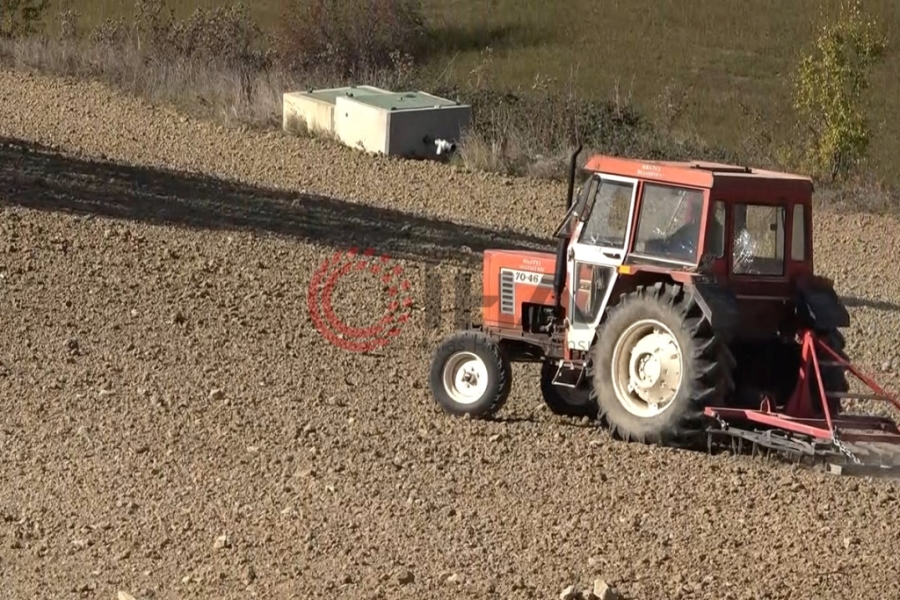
x: 689, y: 173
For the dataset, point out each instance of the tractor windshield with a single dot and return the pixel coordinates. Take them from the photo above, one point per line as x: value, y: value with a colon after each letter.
x: 669, y: 223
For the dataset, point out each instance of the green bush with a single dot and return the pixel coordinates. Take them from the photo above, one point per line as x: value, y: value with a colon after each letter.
x: 829, y: 95
x: 225, y: 35
x: 349, y: 37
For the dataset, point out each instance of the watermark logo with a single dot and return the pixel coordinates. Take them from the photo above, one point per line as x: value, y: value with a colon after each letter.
x: 320, y: 300
x: 465, y: 308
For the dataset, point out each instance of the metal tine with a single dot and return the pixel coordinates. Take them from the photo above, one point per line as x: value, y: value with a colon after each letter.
x: 852, y: 396
x: 832, y: 363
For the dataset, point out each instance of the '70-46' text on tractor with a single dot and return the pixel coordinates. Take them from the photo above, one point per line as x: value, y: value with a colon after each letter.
x: 681, y: 303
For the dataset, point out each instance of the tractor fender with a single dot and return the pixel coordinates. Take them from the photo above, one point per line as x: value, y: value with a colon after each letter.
x: 718, y: 303
x: 820, y: 307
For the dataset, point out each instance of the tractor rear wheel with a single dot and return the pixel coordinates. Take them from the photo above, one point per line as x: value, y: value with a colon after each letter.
x: 565, y: 401
x: 834, y: 379
x: 470, y: 374
x: 657, y: 364
x: 771, y: 368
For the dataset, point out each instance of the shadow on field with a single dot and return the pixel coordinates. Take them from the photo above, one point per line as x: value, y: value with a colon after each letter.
x: 36, y: 177
x: 854, y: 302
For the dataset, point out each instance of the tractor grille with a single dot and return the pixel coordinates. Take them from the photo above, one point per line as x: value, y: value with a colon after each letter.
x: 507, y: 293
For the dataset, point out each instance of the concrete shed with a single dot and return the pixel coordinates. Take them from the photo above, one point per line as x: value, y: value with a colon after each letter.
x: 407, y: 124
x: 315, y: 108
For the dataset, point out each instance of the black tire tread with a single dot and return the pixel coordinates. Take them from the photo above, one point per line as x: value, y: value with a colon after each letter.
x: 834, y: 379
x: 556, y: 401
x: 713, y: 363
x: 495, y: 358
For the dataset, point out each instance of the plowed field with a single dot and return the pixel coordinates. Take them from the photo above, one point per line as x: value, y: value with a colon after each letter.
x: 174, y: 426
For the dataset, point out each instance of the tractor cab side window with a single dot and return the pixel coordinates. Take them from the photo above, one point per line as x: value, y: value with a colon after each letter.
x: 758, y: 240
x: 607, y: 224
x: 669, y: 224
x: 715, y: 240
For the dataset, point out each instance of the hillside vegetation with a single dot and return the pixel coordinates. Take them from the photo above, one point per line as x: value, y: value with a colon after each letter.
x: 660, y: 80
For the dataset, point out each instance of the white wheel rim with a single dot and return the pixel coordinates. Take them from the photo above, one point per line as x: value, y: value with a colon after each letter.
x: 647, y: 368
x: 465, y: 378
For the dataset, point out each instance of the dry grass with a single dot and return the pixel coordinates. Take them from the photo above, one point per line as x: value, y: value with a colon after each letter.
x: 213, y: 90
x: 216, y: 61
x: 865, y: 192
x: 727, y: 84
x: 213, y: 62
x: 720, y: 71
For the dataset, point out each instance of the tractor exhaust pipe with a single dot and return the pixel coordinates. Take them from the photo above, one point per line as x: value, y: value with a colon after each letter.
x: 570, y: 196
x: 559, y: 277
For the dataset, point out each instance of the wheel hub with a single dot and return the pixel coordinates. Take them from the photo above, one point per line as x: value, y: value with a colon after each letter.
x: 465, y: 378
x: 654, y: 360
x: 647, y: 368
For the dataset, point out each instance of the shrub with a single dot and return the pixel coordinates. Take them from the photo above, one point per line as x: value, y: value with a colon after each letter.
x: 830, y: 88
x: 67, y: 19
x: 224, y: 36
x: 350, y: 36
x: 533, y: 133
x: 21, y: 17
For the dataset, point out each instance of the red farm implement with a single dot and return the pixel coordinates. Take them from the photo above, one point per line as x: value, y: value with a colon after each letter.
x: 806, y: 426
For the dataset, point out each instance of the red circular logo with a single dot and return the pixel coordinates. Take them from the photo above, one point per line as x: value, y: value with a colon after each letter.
x: 337, y: 332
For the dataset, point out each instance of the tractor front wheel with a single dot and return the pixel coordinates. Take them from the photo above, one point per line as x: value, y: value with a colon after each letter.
x: 657, y: 364
x: 470, y: 374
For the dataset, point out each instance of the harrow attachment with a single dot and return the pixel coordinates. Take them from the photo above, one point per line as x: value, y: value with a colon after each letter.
x: 843, y: 443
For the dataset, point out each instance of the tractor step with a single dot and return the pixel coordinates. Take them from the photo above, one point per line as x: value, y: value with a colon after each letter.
x: 569, y: 374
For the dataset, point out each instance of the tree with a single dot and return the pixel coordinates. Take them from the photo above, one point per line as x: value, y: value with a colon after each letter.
x: 830, y: 89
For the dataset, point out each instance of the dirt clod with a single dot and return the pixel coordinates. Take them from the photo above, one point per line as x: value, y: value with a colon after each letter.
x: 602, y: 591
x: 223, y: 541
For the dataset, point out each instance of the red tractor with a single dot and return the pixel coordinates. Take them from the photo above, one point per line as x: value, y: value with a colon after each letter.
x: 682, y: 301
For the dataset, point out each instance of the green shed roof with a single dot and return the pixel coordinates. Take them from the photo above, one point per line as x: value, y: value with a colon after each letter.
x: 405, y: 101
x: 330, y: 95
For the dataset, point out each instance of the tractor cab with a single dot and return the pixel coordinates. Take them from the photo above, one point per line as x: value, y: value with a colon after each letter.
x: 746, y: 230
